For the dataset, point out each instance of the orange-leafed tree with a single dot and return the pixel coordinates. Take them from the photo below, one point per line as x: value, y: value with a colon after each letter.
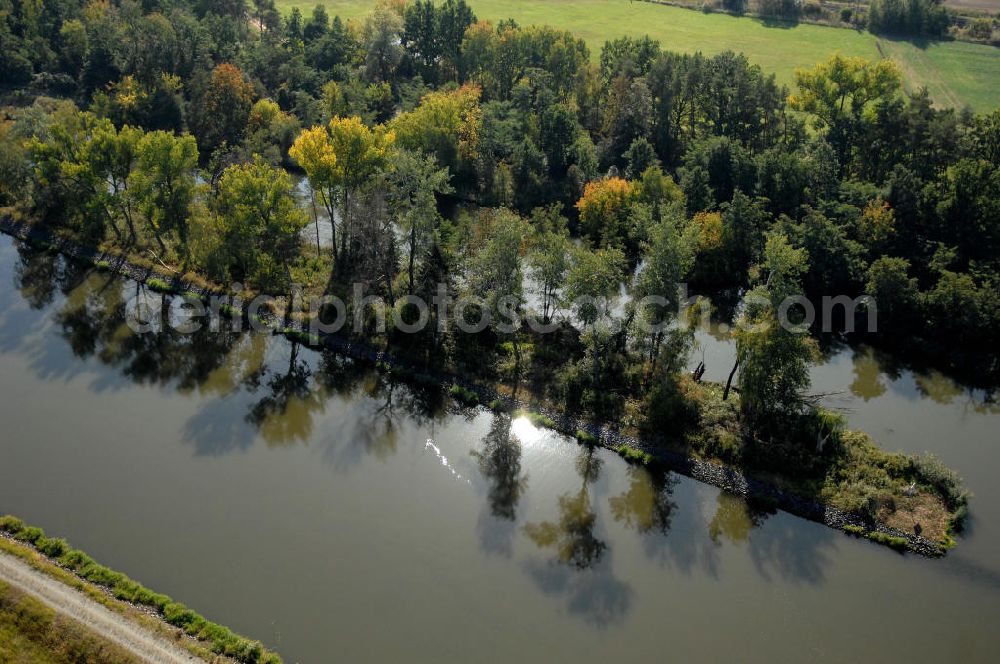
x: 222, y: 108
x: 605, y: 209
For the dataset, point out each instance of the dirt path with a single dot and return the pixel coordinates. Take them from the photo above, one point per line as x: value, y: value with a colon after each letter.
x: 102, y: 621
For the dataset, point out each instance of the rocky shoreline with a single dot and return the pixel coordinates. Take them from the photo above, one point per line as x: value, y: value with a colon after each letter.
x: 723, y: 477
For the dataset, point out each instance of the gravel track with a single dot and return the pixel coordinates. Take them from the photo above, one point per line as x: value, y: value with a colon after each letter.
x: 69, y: 602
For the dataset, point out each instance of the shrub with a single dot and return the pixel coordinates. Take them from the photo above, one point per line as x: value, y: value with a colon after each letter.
x: 812, y: 10
x: 958, y: 518
x: 498, y: 406
x: 861, y: 498
x: 585, y: 437
x: 668, y: 408
x: 723, y: 444
x: 787, y: 9
x: 30, y: 534
x: 178, y: 615
x: 981, y: 29
x: 159, y: 286
x: 929, y: 470
x: 464, y: 396
x: 76, y: 560
x: 303, y: 337
x: 52, y: 547
x: 538, y: 419
x: 11, y: 524
x: 633, y: 455
x: 891, y: 541
x: 717, y: 431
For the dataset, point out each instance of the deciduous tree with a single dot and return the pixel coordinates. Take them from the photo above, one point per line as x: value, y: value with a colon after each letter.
x: 593, y: 280
x: 838, y: 92
x: 773, y: 360
x: 260, y: 223
x: 164, y: 183
x: 339, y: 159
x: 414, y: 184
x: 222, y: 109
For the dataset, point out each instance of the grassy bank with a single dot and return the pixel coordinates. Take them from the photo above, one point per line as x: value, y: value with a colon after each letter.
x: 216, y: 638
x: 845, y: 469
x: 32, y: 632
x: 956, y: 73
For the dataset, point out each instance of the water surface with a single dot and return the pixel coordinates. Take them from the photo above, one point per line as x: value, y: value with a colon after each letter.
x: 312, y: 504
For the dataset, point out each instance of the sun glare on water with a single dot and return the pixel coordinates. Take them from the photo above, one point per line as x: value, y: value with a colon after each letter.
x: 525, y: 431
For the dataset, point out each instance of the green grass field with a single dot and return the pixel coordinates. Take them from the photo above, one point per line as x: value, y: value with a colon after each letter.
x: 956, y: 73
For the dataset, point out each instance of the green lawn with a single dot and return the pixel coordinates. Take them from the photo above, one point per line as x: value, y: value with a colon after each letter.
x: 956, y: 73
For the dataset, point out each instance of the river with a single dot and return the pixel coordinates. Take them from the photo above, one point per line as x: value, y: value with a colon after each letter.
x: 307, y: 502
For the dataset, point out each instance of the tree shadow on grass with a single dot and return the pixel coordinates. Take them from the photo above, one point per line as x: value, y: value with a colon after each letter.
x: 921, y: 42
x: 779, y: 23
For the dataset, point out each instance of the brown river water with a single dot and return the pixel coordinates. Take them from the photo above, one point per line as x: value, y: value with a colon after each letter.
x: 311, y: 504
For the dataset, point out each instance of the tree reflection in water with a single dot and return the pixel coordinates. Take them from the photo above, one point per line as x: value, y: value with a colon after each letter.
x: 500, y: 463
x: 647, y: 505
x: 40, y: 274
x: 868, y: 383
x: 572, y: 536
x: 284, y: 412
x: 395, y: 403
x: 259, y: 387
x: 734, y: 519
x: 582, y: 570
x: 92, y: 319
x: 285, y: 389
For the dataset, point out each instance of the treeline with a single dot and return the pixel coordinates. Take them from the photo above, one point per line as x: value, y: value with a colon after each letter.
x: 453, y: 153
x: 928, y: 18
x: 909, y: 17
x: 137, y: 185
